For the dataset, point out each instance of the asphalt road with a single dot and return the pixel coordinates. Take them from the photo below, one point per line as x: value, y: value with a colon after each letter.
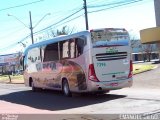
x: 142, y: 98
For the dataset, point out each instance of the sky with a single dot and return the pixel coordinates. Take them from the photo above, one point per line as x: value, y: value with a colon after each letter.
x: 16, y: 27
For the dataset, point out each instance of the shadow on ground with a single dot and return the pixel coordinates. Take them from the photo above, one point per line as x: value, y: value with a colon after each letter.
x: 156, y: 62
x: 52, y: 100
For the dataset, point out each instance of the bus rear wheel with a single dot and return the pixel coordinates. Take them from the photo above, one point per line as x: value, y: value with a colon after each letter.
x: 66, y: 89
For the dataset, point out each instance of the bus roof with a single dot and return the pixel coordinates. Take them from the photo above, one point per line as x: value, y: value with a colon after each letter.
x: 110, y: 29
x: 54, y: 40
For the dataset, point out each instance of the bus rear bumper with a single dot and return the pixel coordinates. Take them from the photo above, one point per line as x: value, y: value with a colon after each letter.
x: 106, y: 86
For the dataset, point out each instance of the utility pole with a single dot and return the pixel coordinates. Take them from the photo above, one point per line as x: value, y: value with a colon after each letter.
x: 31, y: 28
x: 86, y: 16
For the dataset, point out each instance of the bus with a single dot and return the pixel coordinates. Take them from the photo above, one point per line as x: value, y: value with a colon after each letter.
x: 96, y: 61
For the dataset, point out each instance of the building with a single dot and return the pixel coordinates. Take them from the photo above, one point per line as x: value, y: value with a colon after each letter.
x: 143, y: 52
x: 157, y: 12
x: 152, y: 35
x: 10, y: 63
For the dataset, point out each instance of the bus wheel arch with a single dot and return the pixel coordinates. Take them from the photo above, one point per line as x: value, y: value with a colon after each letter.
x: 65, y: 88
x: 30, y: 81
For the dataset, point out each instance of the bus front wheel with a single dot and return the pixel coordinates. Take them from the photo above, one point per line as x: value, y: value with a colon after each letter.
x: 66, y: 89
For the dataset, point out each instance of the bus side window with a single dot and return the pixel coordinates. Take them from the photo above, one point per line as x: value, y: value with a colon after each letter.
x: 64, y: 49
x: 80, y: 43
x: 72, y: 48
x: 33, y: 55
x: 51, y: 52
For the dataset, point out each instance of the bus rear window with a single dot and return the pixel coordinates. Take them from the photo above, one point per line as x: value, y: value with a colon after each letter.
x: 109, y: 37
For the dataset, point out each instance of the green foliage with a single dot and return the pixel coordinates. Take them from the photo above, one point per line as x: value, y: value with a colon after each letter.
x: 64, y: 31
x: 142, y: 68
x: 4, y: 78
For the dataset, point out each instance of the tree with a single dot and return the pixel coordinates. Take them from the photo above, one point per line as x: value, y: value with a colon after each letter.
x: 64, y: 31
x: 137, y: 49
x: 148, y: 49
x: 158, y: 49
x: 144, y: 49
x: 135, y: 43
x: 51, y: 33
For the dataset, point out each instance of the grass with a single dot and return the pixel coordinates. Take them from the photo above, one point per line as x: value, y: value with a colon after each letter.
x: 138, y: 68
x: 17, y: 78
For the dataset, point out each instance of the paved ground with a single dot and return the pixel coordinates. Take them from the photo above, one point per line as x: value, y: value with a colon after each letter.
x: 149, y: 79
x: 142, y: 98
x: 17, y: 99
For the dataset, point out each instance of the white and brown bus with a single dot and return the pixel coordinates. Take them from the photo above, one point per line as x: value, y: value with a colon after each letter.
x: 90, y: 61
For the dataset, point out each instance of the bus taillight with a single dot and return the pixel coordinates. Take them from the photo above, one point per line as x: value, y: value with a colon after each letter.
x: 131, y: 70
x: 91, y: 74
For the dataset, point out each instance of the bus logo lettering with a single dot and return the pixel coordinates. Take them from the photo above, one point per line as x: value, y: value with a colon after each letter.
x: 111, y: 50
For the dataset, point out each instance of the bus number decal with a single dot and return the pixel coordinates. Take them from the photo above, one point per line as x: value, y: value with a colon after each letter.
x: 101, y: 64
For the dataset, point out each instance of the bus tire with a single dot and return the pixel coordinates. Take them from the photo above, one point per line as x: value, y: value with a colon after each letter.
x: 34, y: 89
x: 65, y: 88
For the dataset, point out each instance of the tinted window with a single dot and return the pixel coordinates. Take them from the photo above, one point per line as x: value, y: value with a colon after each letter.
x: 80, y: 43
x: 72, y: 48
x: 51, y: 52
x: 110, y: 37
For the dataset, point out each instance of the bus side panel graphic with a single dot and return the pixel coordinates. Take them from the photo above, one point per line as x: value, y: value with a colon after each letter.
x: 63, y: 69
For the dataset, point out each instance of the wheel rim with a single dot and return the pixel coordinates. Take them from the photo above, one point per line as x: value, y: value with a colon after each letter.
x: 66, y: 88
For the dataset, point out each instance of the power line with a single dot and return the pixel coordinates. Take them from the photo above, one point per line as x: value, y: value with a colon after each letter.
x: 118, y: 4
x: 11, y: 33
x: 14, y: 44
x: 70, y: 20
x: 35, y: 33
x: 62, y: 11
x: 56, y: 24
x: 21, y: 5
x: 61, y: 20
x: 115, y: 6
x: 58, y: 16
x: 109, y: 4
x: 58, y: 12
x: 94, y: 1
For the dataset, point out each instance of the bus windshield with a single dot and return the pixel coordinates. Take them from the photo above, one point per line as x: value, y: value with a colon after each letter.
x: 109, y: 37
